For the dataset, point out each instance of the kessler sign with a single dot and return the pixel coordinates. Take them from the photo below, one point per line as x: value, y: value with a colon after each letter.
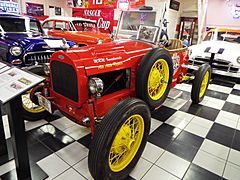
x: 103, y: 16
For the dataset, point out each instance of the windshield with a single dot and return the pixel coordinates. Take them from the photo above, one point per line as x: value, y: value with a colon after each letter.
x: 233, y: 37
x: 85, y: 26
x: 19, y: 25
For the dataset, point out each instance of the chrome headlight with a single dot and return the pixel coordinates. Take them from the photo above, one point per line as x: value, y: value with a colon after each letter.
x: 46, y: 68
x: 238, y: 59
x: 75, y: 46
x: 95, y: 86
x: 15, y: 50
x: 100, y: 41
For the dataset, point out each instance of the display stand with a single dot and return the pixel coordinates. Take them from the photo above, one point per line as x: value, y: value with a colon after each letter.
x: 13, y: 83
x: 3, y: 144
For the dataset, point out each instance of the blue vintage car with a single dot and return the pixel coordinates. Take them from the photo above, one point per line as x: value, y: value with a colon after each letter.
x: 23, y: 44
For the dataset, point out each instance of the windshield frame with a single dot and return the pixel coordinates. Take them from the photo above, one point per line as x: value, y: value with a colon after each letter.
x: 27, y: 21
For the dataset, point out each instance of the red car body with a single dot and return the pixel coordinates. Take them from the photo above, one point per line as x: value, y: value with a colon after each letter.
x: 92, y: 60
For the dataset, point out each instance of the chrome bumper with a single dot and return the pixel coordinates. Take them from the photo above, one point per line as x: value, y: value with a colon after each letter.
x: 216, y: 71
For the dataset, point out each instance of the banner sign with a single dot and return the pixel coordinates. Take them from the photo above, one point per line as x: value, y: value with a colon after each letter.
x: 103, y: 17
x: 9, y: 6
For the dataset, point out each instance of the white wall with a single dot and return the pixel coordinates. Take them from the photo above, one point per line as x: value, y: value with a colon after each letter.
x: 189, y: 8
x: 172, y: 16
x: 66, y: 11
x: 221, y: 17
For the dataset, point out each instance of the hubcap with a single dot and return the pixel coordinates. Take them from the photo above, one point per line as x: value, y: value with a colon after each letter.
x: 204, y: 85
x: 158, y: 79
x: 126, y: 143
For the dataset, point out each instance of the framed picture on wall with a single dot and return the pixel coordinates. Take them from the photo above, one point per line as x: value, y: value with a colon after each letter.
x: 58, y: 11
x: 34, y: 9
x: 174, y: 5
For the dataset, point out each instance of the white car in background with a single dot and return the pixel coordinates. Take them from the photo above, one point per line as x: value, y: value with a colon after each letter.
x: 221, y: 49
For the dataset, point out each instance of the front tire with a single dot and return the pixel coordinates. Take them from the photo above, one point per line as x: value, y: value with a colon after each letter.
x: 200, y: 83
x: 119, y: 140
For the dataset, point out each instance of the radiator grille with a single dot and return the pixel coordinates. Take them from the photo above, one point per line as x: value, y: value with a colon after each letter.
x: 37, y: 58
x: 64, y: 80
x: 216, y: 64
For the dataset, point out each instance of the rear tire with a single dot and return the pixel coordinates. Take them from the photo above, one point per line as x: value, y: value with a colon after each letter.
x: 119, y: 140
x: 154, y: 77
x: 200, y: 83
x: 31, y: 110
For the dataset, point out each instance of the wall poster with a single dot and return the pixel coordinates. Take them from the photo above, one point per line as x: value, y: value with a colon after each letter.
x: 34, y: 9
x: 9, y: 6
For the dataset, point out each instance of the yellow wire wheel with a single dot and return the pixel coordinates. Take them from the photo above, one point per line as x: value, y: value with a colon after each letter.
x: 119, y: 140
x: 31, y: 110
x: 126, y: 143
x: 154, y: 77
x: 29, y: 106
x: 200, y: 83
x: 204, y: 85
x: 158, y: 79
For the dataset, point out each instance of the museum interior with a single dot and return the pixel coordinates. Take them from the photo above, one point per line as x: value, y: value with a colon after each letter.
x: 119, y: 89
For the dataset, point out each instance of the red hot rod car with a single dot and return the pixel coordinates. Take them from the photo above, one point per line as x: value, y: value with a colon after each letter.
x: 111, y: 88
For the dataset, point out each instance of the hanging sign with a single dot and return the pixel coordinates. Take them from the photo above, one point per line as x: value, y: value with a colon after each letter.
x: 9, y: 6
x: 103, y: 17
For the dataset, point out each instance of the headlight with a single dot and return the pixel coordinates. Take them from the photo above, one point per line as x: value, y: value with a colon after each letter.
x: 46, y: 68
x: 95, y: 86
x: 100, y: 41
x: 15, y: 50
x: 75, y: 46
x: 238, y: 59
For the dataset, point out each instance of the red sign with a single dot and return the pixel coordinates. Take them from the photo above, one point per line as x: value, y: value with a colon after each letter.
x: 103, y: 16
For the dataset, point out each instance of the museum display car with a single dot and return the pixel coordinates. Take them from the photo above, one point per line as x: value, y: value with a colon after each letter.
x: 80, y: 30
x: 111, y: 88
x: 23, y: 44
x: 220, y: 49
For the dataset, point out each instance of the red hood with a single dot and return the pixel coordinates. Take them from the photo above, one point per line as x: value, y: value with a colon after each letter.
x: 110, y: 56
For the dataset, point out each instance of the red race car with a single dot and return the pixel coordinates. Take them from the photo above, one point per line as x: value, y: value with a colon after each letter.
x: 112, y: 88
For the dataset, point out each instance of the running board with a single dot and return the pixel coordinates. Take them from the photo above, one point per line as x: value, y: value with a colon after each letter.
x: 174, y: 93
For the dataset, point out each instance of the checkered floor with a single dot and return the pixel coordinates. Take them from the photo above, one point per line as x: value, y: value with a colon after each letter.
x: 186, y: 141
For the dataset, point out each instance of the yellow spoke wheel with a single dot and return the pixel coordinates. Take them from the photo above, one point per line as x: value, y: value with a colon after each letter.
x: 119, y: 140
x: 126, y: 143
x: 200, y: 83
x: 204, y: 85
x: 29, y: 106
x: 158, y: 79
x: 31, y: 110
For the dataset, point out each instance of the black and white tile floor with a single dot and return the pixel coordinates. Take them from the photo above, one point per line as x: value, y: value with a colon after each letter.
x: 186, y: 141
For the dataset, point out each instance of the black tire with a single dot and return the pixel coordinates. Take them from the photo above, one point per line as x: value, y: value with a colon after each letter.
x: 106, y: 133
x: 197, y: 83
x: 143, y: 73
x: 28, y: 113
x: 37, y: 70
